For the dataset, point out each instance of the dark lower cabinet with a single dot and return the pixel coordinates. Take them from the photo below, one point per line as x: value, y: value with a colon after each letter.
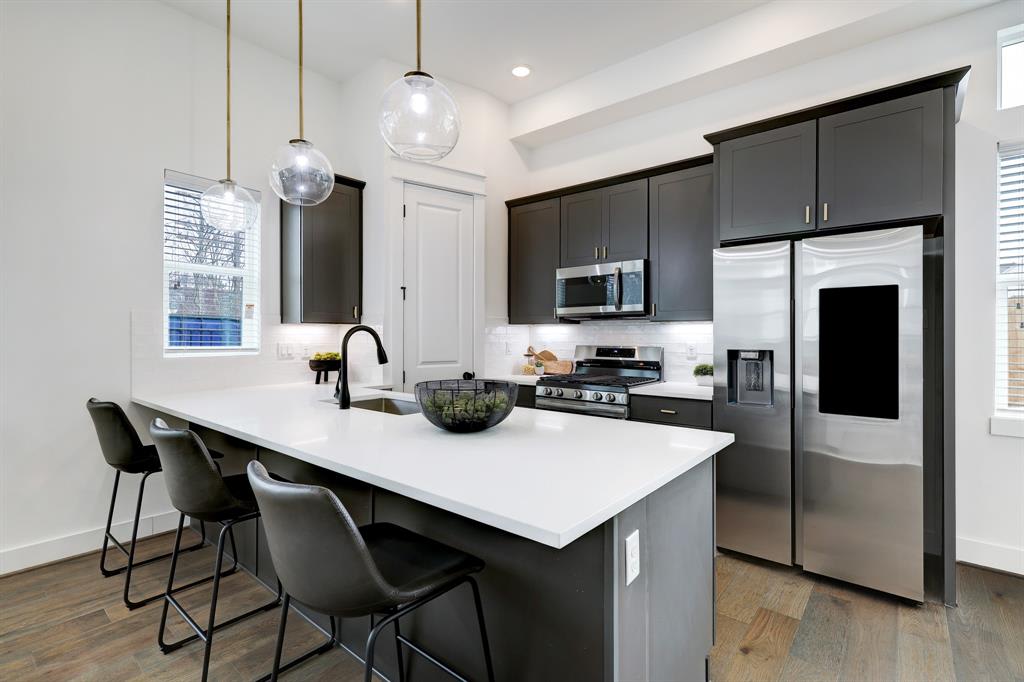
x: 767, y: 182
x: 582, y: 228
x: 321, y: 257
x: 881, y: 162
x: 674, y: 411
x: 682, y: 240
x: 532, y: 261
x: 527, y: 396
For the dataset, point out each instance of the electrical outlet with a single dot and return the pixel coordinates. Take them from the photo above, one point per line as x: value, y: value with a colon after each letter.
x: 284, y: 351
x: 508, y: 348
x: 691, y: 351
x: 305, y: 353
x: 632, y: 556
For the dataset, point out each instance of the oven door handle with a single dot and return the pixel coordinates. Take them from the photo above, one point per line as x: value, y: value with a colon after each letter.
x: 555, y: 405
x: 617, y: 289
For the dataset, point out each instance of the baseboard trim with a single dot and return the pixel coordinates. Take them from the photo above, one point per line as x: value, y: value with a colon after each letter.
x: 990, y: 555
x: 37, y: 554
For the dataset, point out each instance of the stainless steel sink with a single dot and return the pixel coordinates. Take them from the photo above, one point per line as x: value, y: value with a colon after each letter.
x: 387, y: 405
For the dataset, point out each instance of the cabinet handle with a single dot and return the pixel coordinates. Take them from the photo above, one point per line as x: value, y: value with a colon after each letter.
x: 654, y: 310
x: 605, y: 255
x: 824, y: 212
x: 355, y: 311
x: 807, y: 215
x: 554, y: 313
x: 597, y: 252
x: 667, y: 411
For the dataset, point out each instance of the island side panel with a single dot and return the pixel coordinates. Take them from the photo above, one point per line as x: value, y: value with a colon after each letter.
x: 545, y: 608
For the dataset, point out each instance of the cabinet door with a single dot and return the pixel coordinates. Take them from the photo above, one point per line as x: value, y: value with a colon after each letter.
x: 532, y: 260
x: 625, y: 233
x: 331, y: 258
x: 881, y: 162
x: 583, y: 219
x: 767, y: 183
x: 682, y: 241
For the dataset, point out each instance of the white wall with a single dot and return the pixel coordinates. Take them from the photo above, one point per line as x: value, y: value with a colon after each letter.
x: 990, y: 469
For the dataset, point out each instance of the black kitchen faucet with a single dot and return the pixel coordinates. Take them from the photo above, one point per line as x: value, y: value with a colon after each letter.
x: 341, y: 388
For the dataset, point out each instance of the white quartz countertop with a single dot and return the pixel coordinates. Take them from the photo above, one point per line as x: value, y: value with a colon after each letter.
x: 666, y: 389
x: 547, y: 476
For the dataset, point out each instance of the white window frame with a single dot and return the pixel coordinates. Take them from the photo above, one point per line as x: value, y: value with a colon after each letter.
x: 250, y: 324
x: 1008, y: 419
x: 1004, y: 38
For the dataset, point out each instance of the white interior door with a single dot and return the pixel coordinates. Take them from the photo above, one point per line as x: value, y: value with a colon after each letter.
x: 438, y: 280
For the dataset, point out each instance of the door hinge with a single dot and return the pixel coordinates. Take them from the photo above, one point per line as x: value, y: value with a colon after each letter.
x: 403, y: 293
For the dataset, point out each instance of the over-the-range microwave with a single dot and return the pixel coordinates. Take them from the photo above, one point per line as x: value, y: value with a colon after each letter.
x: 602, y: 290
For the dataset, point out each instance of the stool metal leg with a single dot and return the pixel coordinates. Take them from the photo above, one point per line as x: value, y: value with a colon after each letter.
x: 398, y: 652
x: 106, y: 533
x: 322, y: 649
x: 483, y: 628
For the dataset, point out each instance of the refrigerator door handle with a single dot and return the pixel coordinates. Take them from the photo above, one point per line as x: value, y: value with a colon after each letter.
x: 796, y: 306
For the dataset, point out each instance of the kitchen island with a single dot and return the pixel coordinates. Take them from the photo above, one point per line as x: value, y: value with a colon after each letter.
x: 547, y: 499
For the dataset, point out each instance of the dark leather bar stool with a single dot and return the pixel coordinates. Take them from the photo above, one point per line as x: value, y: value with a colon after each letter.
x: 124, y: 451
x: 334, y: 567
x: 198, y: 490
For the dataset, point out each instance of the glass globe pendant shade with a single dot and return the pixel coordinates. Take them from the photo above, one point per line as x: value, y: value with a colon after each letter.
x: 228, y: 207
x: 301, y: 174
x: 419, y: 119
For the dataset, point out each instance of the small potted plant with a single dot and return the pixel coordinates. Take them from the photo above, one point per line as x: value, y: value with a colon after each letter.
x: 704, y: 374
x: 538, y: 368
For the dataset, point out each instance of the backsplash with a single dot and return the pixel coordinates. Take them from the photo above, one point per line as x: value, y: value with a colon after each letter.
x: 686, y: 344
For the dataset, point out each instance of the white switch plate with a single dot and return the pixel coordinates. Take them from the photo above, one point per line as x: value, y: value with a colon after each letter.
x: 632, y: 556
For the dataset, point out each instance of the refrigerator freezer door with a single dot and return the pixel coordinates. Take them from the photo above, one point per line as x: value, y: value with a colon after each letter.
x: 860, y: 447
x: 752, y: 399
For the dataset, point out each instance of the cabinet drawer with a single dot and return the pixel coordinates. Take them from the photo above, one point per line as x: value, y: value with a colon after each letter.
x: 676, y: 411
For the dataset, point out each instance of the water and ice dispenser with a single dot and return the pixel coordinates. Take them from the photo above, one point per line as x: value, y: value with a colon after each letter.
x: 750, y: 377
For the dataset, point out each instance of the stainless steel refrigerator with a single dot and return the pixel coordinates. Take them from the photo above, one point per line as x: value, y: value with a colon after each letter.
x: 819, y: 373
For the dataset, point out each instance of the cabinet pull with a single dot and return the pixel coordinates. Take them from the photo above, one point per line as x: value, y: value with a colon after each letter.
x: 554, y: 313
x: 654, y: 310
x: 355, y: 311
x: 824, y: 212
x: 667, y: 411
x: 597, y: 252
x: 807, y: 215
x: 605, y: 254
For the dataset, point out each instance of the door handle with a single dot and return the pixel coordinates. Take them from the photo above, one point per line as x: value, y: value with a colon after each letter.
x: 667, y: 411
x: 824, y: 212
x: 807, y: 215
x: 605, y: 254
x: 617, y: 292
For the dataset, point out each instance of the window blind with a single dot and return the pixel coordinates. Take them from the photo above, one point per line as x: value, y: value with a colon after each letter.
x: 211, y: 278
x: 1010, y: 278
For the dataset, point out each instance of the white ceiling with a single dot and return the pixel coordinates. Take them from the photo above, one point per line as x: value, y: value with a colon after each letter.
x: 476, y: 42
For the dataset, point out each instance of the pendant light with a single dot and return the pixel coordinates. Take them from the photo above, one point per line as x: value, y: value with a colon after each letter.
x: 419, y: 119
x: 227, y: 206
x: 301, y: 174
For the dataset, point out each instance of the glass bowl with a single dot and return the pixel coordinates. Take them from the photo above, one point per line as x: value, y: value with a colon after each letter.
x: 466, y: 405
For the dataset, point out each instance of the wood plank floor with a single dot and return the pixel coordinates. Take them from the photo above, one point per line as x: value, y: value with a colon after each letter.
x: 65, y: 622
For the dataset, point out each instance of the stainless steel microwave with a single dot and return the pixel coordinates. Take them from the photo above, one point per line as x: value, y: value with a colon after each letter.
x: 603, y: 290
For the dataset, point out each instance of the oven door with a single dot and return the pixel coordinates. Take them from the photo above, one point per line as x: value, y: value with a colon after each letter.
x: 606, y: 289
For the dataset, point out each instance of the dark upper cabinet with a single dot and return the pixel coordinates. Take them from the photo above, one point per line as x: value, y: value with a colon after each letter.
x: 767, y: 182
x: 583, y: 218
x: 625, y: 229
x: 606, y: 224
x: 682, y: 240
x: 532, y: 260
x: 881, y: 162
x: 321, y: 257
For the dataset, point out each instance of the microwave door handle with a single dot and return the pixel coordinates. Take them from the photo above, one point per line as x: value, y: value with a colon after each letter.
x: 618, y: 288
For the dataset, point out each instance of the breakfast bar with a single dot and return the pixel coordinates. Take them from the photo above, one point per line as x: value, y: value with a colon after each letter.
x: 598, y: 534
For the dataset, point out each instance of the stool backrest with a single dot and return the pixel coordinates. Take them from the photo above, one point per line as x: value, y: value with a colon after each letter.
x: 193, y: 481
x: 318, y: 553
x: 119, y: 442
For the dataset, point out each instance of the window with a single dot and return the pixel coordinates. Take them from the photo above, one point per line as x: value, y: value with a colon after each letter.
x: 1010, y: 279
x: 1010, y: 69
x: 211, y: 279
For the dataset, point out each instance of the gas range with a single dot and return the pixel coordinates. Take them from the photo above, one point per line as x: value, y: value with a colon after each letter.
x: 600, y: 385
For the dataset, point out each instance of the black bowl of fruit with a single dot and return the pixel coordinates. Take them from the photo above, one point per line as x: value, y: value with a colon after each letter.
x: 324, y: 363
x: 466, y: 405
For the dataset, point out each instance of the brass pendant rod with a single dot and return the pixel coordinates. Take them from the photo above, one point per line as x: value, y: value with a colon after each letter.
x: 301, y: 111
x: 228, y: 42
x: 418, y: 22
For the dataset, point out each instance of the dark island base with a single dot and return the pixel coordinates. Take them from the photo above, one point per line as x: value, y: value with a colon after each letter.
x: 551, y: 614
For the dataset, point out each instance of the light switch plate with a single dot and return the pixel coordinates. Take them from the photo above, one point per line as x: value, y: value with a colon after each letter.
x: 632, y: 556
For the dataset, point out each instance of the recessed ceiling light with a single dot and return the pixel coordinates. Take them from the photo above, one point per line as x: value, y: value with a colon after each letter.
x: 521, y: 71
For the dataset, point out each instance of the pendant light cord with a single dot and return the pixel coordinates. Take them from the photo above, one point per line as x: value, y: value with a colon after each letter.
x: 301, y: 116
x: 418, y: 65
x: 228, y: 42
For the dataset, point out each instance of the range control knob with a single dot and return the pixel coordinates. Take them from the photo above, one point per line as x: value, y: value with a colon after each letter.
x: 596, y: 396
x: 558, y: 392
x: 547, y: 391
x: 610, y: 398
x: 577, y: 394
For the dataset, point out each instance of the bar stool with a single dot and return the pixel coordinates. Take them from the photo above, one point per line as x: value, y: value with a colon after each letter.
x: 198, y: 490
x: 124, y: 451
x: 334, y: 567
